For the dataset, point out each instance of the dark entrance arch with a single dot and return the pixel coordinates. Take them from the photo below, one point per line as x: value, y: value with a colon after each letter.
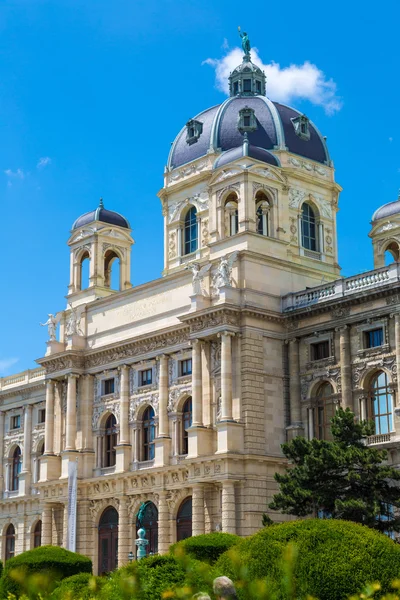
x: 108, y: 541
x: 149, y: 521
x: 184, y: 520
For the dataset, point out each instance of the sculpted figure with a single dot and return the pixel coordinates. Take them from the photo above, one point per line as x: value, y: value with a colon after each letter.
x: 223, y: 276
x: 73, y: 323
x: 51, y: 325
x: 198, y: 276
x: 245, y: 41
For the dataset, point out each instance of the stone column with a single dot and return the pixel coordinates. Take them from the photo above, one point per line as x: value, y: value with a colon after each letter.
x: 163, y: 430
x: 226, y: 376
x: 197, y: 392
x: 86, y: 412
x: 198, y: 514
x: 26, y: 457
x: 163, y: 523
x: 49, y: 422
x: 124, y: 426
x: 296, y: 426
x: 47, y: 515
x: 70, y: 437
x: 345, y: 367
x: 2, y: 414
x: 65, y: 526
x: 397, y: 340
x: 228, y: 507
x: 123, y: 532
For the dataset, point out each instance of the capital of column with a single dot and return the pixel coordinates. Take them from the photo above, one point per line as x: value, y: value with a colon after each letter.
x: 342, y: 328
x: 50, y: 383
x: 221, y: 334
x: 123, y: 368
x: 72, y: 376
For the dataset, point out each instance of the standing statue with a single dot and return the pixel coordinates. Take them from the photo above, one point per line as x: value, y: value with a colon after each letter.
x: 73, y: 323
x: 198, y: 276
x: 51, y: 325
x: 223, y: 276
x: 141, y: 512
x: 245, y: 42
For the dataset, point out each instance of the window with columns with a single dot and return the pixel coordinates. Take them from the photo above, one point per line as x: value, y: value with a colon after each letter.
x: 186, y: 423
x: 149, y: 434
x: 323, y: 411
x: 381, y: 403
x: 262, y: 213
x: 231, y: 215
x: 15, y: 470
x: 110, y: 442
x: 10, y: 542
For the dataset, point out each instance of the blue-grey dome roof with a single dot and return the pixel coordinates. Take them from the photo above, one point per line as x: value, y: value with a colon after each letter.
x: 252, y: 151
x: 103, y: 215
x: 275, y: 129
x: 387, y: 210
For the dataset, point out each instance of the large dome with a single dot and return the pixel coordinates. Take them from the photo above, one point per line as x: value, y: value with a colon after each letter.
x: 275, y: 129
x: 103, y: 215
x: 387, y: 210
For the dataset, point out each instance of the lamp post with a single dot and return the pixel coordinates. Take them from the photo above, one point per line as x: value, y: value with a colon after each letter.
x: 130, y: 556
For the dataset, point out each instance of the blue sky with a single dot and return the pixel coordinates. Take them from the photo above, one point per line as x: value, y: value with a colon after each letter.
x: 93, y: 92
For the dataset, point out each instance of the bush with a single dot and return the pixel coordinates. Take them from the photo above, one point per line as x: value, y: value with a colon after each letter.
x: 334, y: 559
x: 78, y: 587
x: 41, y: 568
x: 148, y: 578
x: 207, y: 547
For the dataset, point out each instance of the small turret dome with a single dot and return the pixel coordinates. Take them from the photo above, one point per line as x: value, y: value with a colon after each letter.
x: 387, y: 210
x: 103, y: 215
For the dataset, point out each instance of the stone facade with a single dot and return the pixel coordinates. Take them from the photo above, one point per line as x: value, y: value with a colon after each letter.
x: 180, y: 392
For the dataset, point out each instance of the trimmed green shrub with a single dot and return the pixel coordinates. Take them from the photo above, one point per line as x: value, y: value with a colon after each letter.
x: 334, y: 559
x: 207, y: 547
x: 42, y: 568
x: 148, y: 578
x: 78, y: 587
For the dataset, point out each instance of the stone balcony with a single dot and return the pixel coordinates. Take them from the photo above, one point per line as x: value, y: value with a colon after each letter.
x: 342, y: 288
x: 20, y: 379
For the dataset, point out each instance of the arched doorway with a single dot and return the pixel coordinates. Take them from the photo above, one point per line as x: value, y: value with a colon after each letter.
x: 37, y: 535
x: 149, y: 522
x: 108, y: 541
x: 184, y: 520
x: 10, y: 542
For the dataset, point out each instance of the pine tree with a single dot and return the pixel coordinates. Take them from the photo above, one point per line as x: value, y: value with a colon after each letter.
x: 342, y: 479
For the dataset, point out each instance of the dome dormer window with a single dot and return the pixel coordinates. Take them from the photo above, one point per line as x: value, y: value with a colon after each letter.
x: 247, y: 120
x: 246, y: 85
x: 301, y: 126
x: 194, y: 129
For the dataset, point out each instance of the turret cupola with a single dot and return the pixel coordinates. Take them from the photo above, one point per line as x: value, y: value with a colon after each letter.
x: 247, y: 79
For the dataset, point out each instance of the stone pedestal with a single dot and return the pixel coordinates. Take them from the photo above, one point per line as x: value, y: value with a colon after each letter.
x: 76, y: 342
x: 123, y: 457
x: 230, y: 437
x: 50, y: 467
x: 198, y: 302
x: 54, y: 347
x: 200, y: 441
x: 25, y: 480
x: 86, y: 463
x: 228, y: 294
x: 162, y: 447
x: 294, y: 431
x: 66, y: 456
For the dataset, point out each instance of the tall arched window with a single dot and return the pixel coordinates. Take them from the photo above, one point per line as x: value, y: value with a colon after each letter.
x: 190, y: 231
x: 308, y: 228
x: 149, y: 433
x: 10, y: 541
x: 108, y: 541
x: 37, y: 535
x: 262, y: 213
x: 184, y: 520
x: 110, y: 441
x: 39, y: 454
x: 324, y: 410
x: 392, y: 253
x: 83, y: 275
x: 186, y: 423
x: 232, y: 214
x: 381, y: 403
x: 112, y: 270
x: 15, y: 469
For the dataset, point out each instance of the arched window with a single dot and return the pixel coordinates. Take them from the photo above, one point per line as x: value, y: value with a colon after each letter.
x: 308, y: 228
x: 110, y: 441
x: 39, y: 454
x: 392, y: 253
x: 186, y: 423
x: 15, y: 469
x: 108, y: 541
x: 112, y: 270
x: 37, y: 535
x: 232, y: 214
x: 149, y: 433
x: 381, y: 403
x: 190, y: 231
x: 184, y: 520
x: 324, y: 410
x: 84, y: 267
x: 10, y: 541
x: 262, y: 213
x: 149, y: 522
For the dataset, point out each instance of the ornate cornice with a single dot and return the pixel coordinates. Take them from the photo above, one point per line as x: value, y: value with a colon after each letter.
x: 221, y: 316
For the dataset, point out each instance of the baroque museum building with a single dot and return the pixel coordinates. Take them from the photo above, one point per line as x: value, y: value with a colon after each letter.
x: 175, y: 396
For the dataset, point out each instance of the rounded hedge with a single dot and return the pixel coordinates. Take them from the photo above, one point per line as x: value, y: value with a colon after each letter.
x: 50, y: 563
x: 334, y: 559
x: 78, y: 587
x: 207, y: 547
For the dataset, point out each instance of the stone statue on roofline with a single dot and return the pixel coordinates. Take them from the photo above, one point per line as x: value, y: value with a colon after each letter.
x: 223, y: 275
x: 73, y: 323
x: 198, y: 276
x: 51, y: 325
x: 245, y: 42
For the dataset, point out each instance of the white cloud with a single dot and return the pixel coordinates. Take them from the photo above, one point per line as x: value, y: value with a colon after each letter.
x: 6, y: 363
x: 18, y: 174
x: 285, y: 84
x: 43, y: 162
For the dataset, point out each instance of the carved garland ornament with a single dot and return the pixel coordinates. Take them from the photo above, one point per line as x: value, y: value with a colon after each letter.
x: 387, y: 362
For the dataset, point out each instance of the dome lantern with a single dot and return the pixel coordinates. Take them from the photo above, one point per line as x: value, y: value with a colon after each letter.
x: 247, y: 79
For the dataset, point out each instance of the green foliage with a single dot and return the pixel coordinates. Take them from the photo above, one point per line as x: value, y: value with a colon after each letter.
x: 40, y: 569
x: 78, y: 587
x: 207, y: 547
x: 326, y: 559
x: 266, y: 520
x: 345, y: 478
